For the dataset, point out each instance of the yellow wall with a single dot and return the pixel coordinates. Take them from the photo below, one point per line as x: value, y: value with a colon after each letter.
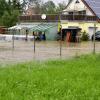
x: 84, y: 25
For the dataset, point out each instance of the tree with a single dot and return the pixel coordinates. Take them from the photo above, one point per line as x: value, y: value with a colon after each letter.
x: 35, y: 4
x: 9, y: 12
x: 40, y: 7
x: 2, y: 7
x: 49, y: 7
x: 61, y: 6
x: 10, y: 20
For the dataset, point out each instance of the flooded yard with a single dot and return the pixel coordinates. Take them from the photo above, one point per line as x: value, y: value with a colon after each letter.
x: 24, y: 51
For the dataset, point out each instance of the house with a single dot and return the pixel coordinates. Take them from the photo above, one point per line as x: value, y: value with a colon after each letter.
x: 30, y: 11
x: 83, y: 14
x: 79, y: 15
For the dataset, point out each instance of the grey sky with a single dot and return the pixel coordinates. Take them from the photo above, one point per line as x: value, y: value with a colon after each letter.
x: 58, y: 1
x: 55, y: 1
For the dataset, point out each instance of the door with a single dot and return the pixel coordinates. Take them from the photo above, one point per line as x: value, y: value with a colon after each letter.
x: 91, y: 31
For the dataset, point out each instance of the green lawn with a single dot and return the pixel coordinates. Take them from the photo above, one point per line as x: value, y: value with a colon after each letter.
x: 76, y: 79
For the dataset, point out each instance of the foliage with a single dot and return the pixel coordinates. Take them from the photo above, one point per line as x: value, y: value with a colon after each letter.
x: 9, y: 12
x: 11, y: 9
x: 49, y: 7
x: 76, y: 79
x: 61, y: 6
x: 85, y: 36
x: 35, y: 4
x: 11, y: 19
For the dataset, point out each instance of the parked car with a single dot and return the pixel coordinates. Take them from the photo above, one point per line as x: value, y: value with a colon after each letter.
x: 97, y: 36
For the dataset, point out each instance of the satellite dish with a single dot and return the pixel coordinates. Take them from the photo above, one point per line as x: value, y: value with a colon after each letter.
x: 43, y: 16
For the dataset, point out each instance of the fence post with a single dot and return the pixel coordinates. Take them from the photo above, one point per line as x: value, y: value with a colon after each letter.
x: 34, y: 43
x: 13, y: 42
x: 94, y: 44
x: 60, y: 35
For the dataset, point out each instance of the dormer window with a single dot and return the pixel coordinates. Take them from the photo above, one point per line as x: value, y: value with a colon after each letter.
x: 77, y: 1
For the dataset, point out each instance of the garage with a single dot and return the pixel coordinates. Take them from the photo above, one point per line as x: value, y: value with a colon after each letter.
x: 70, y: 34
x: 91, y: 31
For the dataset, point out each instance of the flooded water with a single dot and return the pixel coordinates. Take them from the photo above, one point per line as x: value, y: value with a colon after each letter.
x: 24, y: 51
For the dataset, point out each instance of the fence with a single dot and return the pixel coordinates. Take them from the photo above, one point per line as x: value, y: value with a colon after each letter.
x: 55, y: 18
x: 24, y: 51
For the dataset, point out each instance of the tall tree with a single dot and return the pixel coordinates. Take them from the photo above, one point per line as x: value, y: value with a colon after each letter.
x: 61, y: 6
x: 35, y: 4
x: 9, y: 11
x: 10, y: 19
x: 2, y: 7
x: 49, y: 7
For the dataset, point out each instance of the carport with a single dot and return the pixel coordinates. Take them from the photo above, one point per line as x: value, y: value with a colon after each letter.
x: 42, y: 27
x: 49, y: 29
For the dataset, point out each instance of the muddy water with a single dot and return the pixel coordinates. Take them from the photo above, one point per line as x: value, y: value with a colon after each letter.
x: 24, y: 51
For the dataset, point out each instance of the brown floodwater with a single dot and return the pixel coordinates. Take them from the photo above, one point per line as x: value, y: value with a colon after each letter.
x: 44, y: 50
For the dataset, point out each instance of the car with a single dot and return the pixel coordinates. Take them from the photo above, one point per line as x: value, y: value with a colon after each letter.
x: 97, y: 36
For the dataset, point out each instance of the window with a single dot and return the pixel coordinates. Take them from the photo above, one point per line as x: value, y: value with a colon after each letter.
x: 82, y: 12
x: 77, y: 1
x: 70, y: 13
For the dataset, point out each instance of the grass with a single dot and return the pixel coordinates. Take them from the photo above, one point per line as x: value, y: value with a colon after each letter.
x: 76, y: 79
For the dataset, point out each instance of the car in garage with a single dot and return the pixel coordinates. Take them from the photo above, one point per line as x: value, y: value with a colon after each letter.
x: 97, y: 36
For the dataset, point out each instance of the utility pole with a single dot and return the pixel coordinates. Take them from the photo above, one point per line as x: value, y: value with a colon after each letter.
x: 60, y: 35
x: 13, y: 42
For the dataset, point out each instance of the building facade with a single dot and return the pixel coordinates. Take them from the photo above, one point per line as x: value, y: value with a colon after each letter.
x: 86, y: 10
x: 79, y: 15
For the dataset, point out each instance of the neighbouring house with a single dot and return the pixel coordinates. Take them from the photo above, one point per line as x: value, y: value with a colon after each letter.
x: 32, y: 21
x: 82, y: 14
x: 35, y: 23
x: 30, y: 11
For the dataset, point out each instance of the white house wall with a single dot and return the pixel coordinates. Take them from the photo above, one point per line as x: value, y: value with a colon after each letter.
x: 88, y: 12
x: 73, y: 6
x: 88, y: 27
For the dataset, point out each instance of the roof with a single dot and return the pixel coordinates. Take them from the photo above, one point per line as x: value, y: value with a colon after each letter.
x: 69, y: 3
x: 94, y: 6
x: 34, y: 27
x: 42, y: 27
x: 21, y: 26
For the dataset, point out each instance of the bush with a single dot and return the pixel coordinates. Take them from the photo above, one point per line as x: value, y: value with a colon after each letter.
x: 85, y: 36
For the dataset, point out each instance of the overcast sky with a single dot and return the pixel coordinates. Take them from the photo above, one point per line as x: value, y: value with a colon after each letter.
x: 57, y: 1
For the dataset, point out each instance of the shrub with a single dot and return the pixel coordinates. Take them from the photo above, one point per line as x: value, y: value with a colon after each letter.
x: 85, y: 36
